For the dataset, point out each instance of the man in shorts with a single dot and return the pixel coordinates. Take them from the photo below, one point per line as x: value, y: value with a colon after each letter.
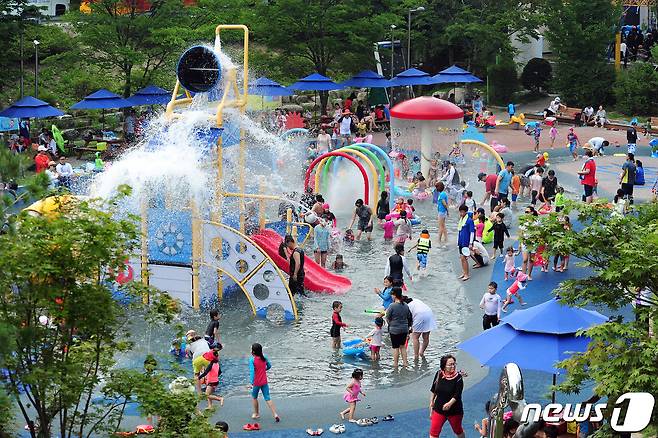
x: 364, y: 213
x: 503, y: 183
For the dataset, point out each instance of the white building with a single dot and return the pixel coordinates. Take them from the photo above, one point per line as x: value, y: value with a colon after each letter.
x: 51, y: 8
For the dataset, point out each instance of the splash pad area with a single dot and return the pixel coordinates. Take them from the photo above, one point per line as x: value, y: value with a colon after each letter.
x: 207, y: 180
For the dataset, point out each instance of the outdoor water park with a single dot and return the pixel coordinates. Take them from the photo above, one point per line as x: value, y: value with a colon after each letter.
x: 230, y: 262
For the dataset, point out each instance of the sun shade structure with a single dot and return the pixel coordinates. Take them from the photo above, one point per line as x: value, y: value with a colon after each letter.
x: 267, y: 87
x: 315, y: 82
x: 412, y: 76
x: 150, y: 95
x: 102, y: 99
x: 455, y: 75
x: 30, y: 107
x: 367, y: 79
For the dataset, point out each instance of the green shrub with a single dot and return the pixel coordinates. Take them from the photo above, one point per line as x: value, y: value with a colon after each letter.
x: 636, y: 90
x: 536, y: 74
x: 503, y: 82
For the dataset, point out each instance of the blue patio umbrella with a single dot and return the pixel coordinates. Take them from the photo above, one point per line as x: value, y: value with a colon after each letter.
x: 455, y: 75
x: 554, y: 317
x: 535, y: 338
x: 150, y: 95
x: 367, y: 79
x: 315, y: 82
x: 30, y: 107
x: 267, y: 87
x: 102, y: 99
x: 412, y: 76
x: 536, y: 351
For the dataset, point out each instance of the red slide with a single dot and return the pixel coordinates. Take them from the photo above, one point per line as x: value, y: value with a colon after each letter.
x: 317, y: 278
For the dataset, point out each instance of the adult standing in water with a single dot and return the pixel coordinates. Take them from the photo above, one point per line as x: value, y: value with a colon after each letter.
x: 295, y: 256
x: 423, y: 323
x: 364, y: 213
x: 399, y: 319
x: 442, y: 209
x: 396, y: 264
x: 446, y: 400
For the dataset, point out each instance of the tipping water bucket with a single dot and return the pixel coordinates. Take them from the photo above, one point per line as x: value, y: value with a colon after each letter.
x: 199, y: 69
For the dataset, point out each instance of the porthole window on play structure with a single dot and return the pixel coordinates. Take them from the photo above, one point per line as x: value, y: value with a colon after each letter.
x: 261, y: 291
x: 241, y: 247
x: 226, y: 248
x: 242, y: 266
x: 268, y: 276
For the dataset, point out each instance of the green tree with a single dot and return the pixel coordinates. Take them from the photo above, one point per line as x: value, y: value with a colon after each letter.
x: 131, y: 45
x: 579, y: 32
x: 536, y: 74
x: 324, y: 34
x: 55, y: 278
x: 13, y: 173
x: 636, y: 90
x: 503, y: 81
x: 623, y: 354
x: 483, y: 30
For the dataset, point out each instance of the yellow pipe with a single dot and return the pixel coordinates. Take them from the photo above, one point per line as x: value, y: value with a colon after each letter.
x: 288, y: 221
x: 261, y: 207
x: 144, y: 256
x: 373, y: 172
x: 618, y: 51
x: 197, y: 255
x: 488, y: 148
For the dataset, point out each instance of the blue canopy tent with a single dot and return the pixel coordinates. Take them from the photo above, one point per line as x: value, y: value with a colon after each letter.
x: 267, y: 87
x: 102, y: 100
x: 412, y: 76
x: 455, y: 75
x: 367, y: 79
x: 150, y: 95
x: 30, y: 107
x: 535, y: 338
x: 315, y: 82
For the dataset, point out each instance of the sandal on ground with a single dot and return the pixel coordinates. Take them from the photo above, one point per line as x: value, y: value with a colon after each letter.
x: 363, y: 422
x: 388, y: 418
x: 352, y: 420
x: 336, y: 428
x: 314, y: 432
x: 374, y: 420
x: 250, y: 426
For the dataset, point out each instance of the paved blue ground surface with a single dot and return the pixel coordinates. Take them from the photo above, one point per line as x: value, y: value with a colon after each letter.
x: 416, y: 423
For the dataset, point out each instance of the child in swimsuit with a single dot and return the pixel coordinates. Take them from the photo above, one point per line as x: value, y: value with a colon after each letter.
x: 336, y: 324
x: 519, y: 284
x: 352, y: 395
x: 376, y: 338
x: 389, y: 228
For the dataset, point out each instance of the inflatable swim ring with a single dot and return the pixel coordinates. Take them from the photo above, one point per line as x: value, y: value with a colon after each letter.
x: 420, y: 194
x: 354, y: 347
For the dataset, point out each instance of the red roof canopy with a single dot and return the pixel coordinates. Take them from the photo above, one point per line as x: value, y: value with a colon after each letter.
x: 427, y: 108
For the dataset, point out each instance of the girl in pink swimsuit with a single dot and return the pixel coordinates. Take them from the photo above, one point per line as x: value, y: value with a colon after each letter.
x: 352, y: 395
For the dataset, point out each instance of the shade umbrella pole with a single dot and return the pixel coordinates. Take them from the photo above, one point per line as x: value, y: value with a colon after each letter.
x: 553, y: 392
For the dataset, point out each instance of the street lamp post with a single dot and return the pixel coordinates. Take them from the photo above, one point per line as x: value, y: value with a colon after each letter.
x: 393, y: 26
x: 418, y: 9
x: 36, y: 69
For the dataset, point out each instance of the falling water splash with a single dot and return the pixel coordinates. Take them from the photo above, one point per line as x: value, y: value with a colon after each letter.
x: 172, y: 158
